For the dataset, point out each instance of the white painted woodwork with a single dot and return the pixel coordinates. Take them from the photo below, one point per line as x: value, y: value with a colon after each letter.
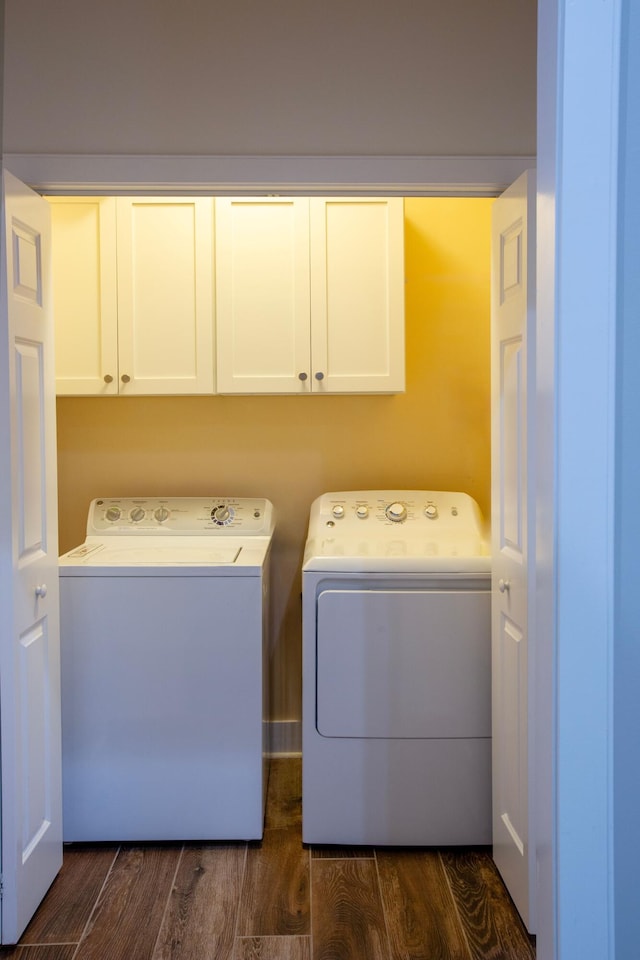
x: 262, y: 295
x: 165, y: 295
x: 133, y: 295
x: 513, y: 525
x: 447, y: 176
x: 83, y: 231
x: 357, y: 294
x: 310, y: 295
x: 29, y: 600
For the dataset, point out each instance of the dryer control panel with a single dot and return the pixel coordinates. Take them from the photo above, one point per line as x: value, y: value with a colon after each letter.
x: 410, y: 530
x: 181, y: 516
x: 412, y: 511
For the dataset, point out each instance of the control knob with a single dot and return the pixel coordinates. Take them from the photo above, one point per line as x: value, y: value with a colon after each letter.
x: 431, y: 511
x: 221, y: 514
x: 161, y: 514
x: 113, y: 514
x: 396, y: 512
x: 338, y: 511
x: 137, y: 514
x: 362, y: 511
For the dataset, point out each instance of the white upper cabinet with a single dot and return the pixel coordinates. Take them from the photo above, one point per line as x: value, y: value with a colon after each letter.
x: 357, y: 295
x: 133, y: 295
x: 165, y: 295
x: 84, y: 294
x: 310, y: 295
x: 262, y: 295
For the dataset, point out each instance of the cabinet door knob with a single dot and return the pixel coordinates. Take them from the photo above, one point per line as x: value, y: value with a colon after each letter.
x: 125, y: 378
x: 302, y: 376
x: 504, y: 585
x: 108, y: 378
x: 41, y: 590
x: 319, y: 375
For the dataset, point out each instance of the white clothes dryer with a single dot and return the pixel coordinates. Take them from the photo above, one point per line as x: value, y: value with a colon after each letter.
x: 164, y: 615
x: 396, y: 670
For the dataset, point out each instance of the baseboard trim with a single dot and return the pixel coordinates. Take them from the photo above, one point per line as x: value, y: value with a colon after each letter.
x: 285, y: 738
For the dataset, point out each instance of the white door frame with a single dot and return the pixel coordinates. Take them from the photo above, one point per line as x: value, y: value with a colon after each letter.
x: 250, y: 176
x: 578, y: 136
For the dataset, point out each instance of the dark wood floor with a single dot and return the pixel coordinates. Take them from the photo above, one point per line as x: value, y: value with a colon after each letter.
x: 274, y: 900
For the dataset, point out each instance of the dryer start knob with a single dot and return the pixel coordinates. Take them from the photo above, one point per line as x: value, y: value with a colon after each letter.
x: 396, y: 512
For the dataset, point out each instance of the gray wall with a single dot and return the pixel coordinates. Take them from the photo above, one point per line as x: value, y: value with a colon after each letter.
x: 288, y: 77
x: 1, y: 70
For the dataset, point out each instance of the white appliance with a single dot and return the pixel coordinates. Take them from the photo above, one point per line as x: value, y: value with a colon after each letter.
x: 396, y: 670
x: 164, y: 670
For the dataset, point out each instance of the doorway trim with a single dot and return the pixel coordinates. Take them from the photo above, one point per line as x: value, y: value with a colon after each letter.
x: 387, y: 175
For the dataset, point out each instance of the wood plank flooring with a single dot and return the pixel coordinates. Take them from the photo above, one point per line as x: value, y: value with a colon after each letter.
x: 274, y: 900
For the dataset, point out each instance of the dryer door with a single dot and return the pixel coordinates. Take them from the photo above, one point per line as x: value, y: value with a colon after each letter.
x: 403, y: 663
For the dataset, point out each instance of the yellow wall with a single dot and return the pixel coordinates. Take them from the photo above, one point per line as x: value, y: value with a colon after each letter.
x: 291, y: 449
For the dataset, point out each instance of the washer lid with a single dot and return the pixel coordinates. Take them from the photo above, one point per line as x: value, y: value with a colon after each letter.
x: 166, y: 556
x: 117, y: 555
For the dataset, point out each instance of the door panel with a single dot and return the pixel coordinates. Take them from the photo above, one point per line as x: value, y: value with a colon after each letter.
x: 510, y: 670
x: 400, y: 663
x: 84, y: 294
x: 262, y: 291
x: 513, y: 556
x: 29, y: 424
x: 357, y: 295
x: 165, y: 295
x: 511, y: 385
x: 29, y: 603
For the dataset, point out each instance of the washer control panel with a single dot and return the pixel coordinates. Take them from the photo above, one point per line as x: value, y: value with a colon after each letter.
x: 243, y: 516
x: 409, y: 511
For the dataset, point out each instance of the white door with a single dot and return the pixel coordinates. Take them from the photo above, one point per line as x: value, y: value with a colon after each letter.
x: 29, y: 607
x: 513, y: 525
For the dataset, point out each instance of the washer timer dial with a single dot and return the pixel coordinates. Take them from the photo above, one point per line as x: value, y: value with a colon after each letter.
x: 113, y: 514
x: 222, y: 514
x: 137, y: 514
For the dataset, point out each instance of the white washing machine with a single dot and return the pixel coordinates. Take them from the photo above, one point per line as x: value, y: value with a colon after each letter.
x: 164, y: 670
x: 396, y: 670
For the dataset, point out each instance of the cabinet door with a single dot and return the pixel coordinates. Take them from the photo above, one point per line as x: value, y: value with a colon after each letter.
x: 165, y: 295
x: 357, y: 295
x: 84, y: 294
x: 262, y: 291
